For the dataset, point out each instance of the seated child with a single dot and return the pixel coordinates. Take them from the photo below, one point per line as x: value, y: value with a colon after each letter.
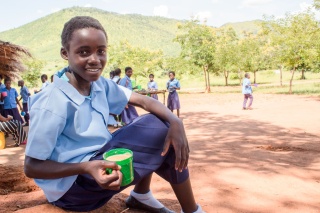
x: 64, y: 151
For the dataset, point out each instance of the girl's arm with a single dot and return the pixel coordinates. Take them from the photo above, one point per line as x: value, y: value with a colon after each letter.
x: 176, y: 135
x: 47, y: 169
x: 18, y: 102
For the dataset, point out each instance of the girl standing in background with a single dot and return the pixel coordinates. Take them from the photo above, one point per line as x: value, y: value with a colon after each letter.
x: 173, y: 85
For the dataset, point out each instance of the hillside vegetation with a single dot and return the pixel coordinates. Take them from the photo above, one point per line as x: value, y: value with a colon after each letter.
x: 42, y: 37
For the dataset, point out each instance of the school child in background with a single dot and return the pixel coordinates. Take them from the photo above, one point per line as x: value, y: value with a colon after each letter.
x: 152, y: 86
x: 24, y: 93
x: 173, y: 85
x: 129, y: 113
x: 45, y: 83
x: 2, y: 86
x: 116, y: 77
x: 14, y: 127
x: 247, y: 92
x: 51, y: 78
x: 11, y: 101
x: 68, y: 134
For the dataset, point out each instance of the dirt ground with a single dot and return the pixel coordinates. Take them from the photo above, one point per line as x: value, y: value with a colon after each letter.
x: 261, y: 160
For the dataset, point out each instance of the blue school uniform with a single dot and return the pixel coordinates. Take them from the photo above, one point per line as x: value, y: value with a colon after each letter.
x: 10, y: 101
x: 24, y: 92
x: 173, y: 101
x: 73, y: 127
x: 153, y: 86
x: 246, y: 88
x: 130, y: 113
x: 2, y: 87
x: 75, y: 131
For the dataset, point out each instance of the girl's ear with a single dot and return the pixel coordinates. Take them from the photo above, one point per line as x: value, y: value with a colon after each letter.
x: 64, y: 53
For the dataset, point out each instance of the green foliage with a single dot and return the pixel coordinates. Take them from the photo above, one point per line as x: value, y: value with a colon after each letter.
x: 33, y: 72
x: 242, y: 28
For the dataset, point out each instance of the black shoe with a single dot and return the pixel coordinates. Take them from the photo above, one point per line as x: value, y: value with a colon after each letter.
x: 131, y: 202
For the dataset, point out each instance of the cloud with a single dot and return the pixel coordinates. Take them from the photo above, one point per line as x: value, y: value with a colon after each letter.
x: 253, y: 3
x: 203, y: 15
x: 88, y: 5
x: 215, y: 1
x: 161, y: 10
x: 40, y: 11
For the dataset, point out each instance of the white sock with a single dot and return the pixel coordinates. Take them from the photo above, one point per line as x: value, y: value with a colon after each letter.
x: 199, y: 210
x: 147, y: 199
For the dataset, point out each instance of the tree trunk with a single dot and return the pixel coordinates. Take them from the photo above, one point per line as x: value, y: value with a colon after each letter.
x: 205, y: 77
x: 281, y: 67
x: 254, y: 76
x: 290, y: 87
x: 208, y: 90
x: 226, y: 75
x: 240, y: 77
x: 303, y: 77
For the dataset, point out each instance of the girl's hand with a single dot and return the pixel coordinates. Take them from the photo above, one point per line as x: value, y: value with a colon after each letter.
x: 127, y: 106
x: 177, y: 138
x: 97, y: 169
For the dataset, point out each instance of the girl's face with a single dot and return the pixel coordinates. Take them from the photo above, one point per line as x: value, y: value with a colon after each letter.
x: 151, y: 78
x: 171, y: 76
x: 87, y: 53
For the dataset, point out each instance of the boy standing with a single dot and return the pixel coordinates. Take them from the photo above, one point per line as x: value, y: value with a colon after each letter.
x: 247, y: 92
x: 24, y: 93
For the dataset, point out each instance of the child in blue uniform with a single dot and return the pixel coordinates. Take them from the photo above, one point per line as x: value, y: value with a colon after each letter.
x: 11, y: 102
x: 24, y: 93
x: 173, y: 85
x: 64, y: 152
x: 129, y: 113
x: 152, y: 86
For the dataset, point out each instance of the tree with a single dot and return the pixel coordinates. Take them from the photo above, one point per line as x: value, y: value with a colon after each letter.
x: 33, y: 72
x: 141, y: 60
x: 227, y: 54
x: 198, y: 46
x: 295, y: 38
x: 254, y: 55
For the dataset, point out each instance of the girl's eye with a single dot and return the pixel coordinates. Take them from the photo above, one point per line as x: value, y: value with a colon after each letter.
x: 102, y: 52
x: 84, y: 52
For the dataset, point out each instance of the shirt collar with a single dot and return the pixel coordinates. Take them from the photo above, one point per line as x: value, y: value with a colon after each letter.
x: 70, y: 91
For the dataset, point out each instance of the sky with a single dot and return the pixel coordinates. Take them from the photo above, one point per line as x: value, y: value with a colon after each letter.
x: 15, y: 13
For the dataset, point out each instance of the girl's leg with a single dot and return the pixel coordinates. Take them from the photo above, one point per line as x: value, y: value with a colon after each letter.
x: 250, y: 101
x: 178, y: 113
x: 143, y: 186
x: 184, y: 194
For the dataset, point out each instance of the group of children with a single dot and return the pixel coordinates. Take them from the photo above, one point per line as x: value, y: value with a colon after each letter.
x: 64, y: 153
x: 130, y: 113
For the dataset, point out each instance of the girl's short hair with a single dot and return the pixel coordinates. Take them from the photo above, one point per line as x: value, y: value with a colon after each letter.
x: 151, y: 75
x: 77, y: 23
x: 127, y: 68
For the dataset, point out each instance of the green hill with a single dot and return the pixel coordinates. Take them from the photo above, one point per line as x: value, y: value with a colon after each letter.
x: 246, y: 26
x: 42, y: 36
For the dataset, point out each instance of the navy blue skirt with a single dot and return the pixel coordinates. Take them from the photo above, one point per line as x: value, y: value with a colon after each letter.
x: 173, y: 101
x: 128, y: 115
x: 145, y: 138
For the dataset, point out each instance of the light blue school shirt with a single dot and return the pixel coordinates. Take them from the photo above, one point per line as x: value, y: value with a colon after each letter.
x: 67, y: 127
x: 126, y: 82
x: 152, y: 85
x: 174, y: 83
x: 246, y: 88
x: 10, y: 101
x: 24, y: 92
x: 44, y: 85
x: 2, y: 88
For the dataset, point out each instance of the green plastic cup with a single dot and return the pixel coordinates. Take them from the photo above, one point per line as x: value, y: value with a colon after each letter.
x: 133, y: 82
x: 122, y: 157
x: 139, y: 87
